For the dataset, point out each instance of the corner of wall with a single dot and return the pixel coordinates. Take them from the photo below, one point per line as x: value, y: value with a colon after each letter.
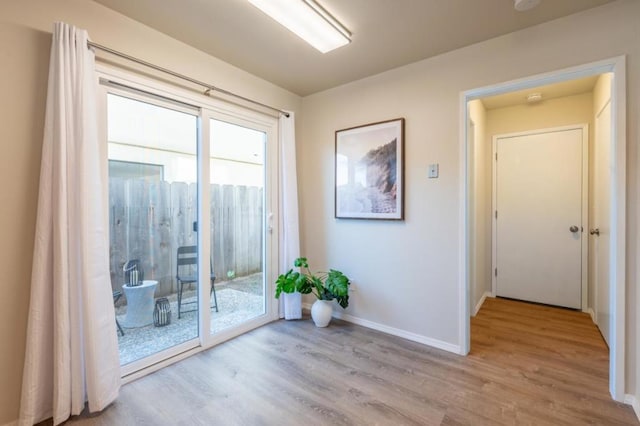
x: 480, y: 303
x: 634, y: 402
x: 428, y: 341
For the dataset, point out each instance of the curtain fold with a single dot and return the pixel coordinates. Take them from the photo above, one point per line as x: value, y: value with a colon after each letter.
x: 290, y: 304
x: 72, y: 348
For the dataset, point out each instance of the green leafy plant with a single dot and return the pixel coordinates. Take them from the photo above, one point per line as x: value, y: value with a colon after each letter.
x: 324, y: 285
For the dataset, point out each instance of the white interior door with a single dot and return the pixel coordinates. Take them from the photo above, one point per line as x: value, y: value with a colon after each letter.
x: 601, y: 233
x: 538, y: 226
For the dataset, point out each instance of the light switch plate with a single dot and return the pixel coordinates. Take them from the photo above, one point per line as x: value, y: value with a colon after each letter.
x: 433, y: 171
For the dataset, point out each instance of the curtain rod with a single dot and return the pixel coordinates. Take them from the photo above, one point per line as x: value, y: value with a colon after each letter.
x: 209, y: 87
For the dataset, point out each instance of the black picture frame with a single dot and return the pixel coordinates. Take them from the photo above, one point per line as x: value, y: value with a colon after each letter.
x: 369, y: 171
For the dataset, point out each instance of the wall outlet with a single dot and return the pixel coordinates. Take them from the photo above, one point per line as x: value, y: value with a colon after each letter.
x: 432, y: 171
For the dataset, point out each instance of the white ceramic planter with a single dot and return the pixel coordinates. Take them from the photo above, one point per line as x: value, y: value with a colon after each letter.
x: 321, y: 312
x: 292, y: 306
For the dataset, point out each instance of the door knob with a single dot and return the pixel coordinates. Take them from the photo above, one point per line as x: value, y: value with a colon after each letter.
x: 595, y: 231
x: 574, y: 229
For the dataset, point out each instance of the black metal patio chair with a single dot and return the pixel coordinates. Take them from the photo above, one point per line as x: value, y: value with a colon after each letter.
x: 186, y: 273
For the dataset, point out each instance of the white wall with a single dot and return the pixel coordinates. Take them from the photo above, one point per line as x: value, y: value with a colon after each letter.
x: 480, y: 206
x: 407, y: 273
x: 568, y: 110
x: 25, y: 40
x: 601, y: 95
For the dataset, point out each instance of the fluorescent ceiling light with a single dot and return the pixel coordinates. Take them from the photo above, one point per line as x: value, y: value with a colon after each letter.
x: 308, y: 20
x: 524, y: 5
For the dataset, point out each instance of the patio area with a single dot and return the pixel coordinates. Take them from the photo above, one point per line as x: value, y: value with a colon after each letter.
x: 238, y: 301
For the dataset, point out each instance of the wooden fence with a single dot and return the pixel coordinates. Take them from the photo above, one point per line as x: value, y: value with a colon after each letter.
x: 150, y: 220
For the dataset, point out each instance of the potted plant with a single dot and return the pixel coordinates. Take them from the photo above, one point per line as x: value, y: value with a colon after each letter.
x: 326, y: 286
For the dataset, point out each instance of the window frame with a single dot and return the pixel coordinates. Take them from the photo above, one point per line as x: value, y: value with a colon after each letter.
x: 147, y: 89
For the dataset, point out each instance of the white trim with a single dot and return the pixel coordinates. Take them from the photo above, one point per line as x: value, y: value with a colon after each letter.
x: 494, y: 207
x: 464, y: 252
x: 203, y: 218
x: 617, y: 256
x: 439, y: 344
x: 618, y: 199
x: 584, y: 208
x: 634, y: 403
x: 584, y: 225
x: 270, y: 241
x: 557, y: 76
x: 139, y: 373
x: 428, y: 341
x: 596, y: 278
x: 591, y: 313
x: 481, y: 302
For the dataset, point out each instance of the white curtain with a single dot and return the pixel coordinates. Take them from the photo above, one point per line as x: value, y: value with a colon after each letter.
x: 290, y: 304
x: 72, y: 348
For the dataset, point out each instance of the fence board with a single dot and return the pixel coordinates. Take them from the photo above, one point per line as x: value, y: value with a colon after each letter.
x: 254, y: 231
x: 217, y: 252
x: 241, y: 229
x: 228, y: 228
x: 150, y: 220
x: 117, y: 230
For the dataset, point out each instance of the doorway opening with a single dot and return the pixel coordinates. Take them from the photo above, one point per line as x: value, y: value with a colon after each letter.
x: 503, y: 110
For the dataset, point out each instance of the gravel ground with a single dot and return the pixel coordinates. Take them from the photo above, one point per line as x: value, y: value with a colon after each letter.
x: 238, y: 300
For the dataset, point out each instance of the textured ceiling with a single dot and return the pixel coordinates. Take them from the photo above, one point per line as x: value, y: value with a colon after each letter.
x: 386, y: 33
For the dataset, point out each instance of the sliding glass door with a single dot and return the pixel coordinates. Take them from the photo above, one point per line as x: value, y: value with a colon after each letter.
x: 237, y: 206
x: 152, y: 151
x: 190, y: 220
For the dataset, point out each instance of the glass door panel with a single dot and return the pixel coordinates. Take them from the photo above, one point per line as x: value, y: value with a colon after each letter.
x: 237, y: 223
x: 153, y: 207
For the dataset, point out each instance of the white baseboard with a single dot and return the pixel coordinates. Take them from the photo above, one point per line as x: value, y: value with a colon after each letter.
x: 634, y: 402
x: 592, y: 313
x: 439, y: 344
x: 480, y: 302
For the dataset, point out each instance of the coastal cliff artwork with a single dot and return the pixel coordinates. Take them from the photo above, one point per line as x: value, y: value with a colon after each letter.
x: 369, y: 171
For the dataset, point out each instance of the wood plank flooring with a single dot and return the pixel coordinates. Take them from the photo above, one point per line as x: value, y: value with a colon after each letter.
x: 529, y: 365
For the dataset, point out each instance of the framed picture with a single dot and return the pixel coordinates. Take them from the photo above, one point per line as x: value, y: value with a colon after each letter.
x: 370, y: 171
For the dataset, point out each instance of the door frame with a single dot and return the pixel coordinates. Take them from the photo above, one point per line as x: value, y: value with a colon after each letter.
x: 584, y: 207
x: 596, y: 281
x: 617, y: 253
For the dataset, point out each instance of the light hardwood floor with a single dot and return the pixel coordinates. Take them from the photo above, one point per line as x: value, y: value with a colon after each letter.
x: 529, y: 365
